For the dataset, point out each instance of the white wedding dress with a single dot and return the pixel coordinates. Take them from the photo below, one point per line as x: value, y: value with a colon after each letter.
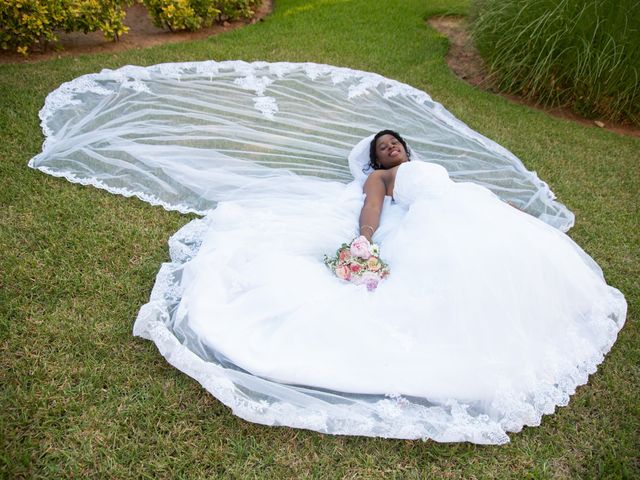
x: 489, y: 319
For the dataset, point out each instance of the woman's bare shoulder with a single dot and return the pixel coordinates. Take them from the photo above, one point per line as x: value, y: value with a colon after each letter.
x: 384, y: 176
x: 375, y: 182
x: 376, y: 175
x: 376, y: 179
x: 380, y: 182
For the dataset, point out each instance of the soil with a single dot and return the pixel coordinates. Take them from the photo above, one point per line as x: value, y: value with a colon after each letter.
x: 465, y: 61
x: 142, y: 33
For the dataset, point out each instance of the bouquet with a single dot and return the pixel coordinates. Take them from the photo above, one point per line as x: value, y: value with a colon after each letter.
x: 359, y: 263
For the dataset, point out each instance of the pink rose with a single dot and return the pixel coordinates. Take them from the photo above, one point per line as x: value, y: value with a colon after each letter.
x: 342, y: 271
x: 345, y: 255
x: 355, y: 268
x: 360, y: 247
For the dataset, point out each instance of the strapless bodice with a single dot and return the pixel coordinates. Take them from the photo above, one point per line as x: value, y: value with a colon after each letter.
x: 418, y: 180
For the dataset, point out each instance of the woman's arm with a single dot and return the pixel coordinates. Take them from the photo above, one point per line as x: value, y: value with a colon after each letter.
x: 375, y: 189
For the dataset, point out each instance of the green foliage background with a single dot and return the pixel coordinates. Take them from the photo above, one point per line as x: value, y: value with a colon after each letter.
x: 195, y: 14
x: 28, y: 23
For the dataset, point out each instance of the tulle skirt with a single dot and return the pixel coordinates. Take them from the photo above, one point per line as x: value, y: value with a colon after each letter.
x: 486, y: 307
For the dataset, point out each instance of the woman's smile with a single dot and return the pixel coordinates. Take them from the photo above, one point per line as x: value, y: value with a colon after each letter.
x: 390, y: 152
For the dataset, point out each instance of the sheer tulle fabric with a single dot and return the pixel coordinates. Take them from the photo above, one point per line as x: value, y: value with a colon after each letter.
x: 188, y: 135
x: 490, y: 319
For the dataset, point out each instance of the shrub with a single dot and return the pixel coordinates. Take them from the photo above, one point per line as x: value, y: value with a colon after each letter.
x: 237, y: 9
x: 25, y: 24
x: 579, y: 53
x: 91, y: 15
x: 181, y: 14
x: 194, y: 14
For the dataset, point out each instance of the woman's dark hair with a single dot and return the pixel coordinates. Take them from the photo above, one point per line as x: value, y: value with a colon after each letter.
x: 373, y: 160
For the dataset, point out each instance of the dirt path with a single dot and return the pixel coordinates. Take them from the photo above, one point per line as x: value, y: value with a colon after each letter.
x: 466, y: 63
x: 142, y: 33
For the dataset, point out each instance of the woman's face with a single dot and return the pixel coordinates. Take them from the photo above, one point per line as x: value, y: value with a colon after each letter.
x: 390, y: 152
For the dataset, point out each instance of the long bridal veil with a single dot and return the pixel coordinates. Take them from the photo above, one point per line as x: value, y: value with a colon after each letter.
x: 188, y: 136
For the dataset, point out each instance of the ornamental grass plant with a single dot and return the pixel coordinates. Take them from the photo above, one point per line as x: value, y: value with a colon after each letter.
x: 583, y: 54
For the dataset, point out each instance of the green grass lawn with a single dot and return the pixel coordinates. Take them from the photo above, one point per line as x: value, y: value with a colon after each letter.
x: 81, y: 397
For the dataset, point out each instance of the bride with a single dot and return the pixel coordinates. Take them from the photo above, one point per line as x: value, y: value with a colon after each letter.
x: 484, y: 305
x: 489, y: 318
